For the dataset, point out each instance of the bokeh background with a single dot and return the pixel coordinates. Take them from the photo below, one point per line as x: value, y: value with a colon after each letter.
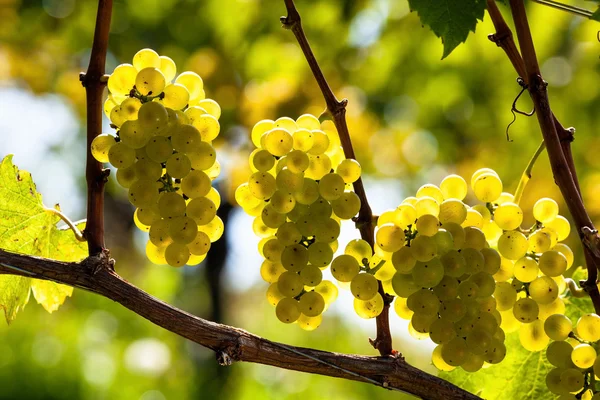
x: 413, y: 118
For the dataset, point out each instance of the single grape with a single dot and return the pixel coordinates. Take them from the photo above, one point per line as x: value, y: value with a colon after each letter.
x: 561, y: 226
x: 196, y: 184
x: 455, y: 352
x: 543, y: 290
x: 364, y: 286
x: 200, y: 245
x: 453, y: 187
x: 202, y: 210
x: 370, y: 308
x: 553, y: 263
x: 512, y: 245
x: 588, y: 327
x: 545, y: 210
x: 101, y: 146
x: 320, y: 254
x: 167, y: 67
x: 287, y: 310
x: 311, y: 275
x: 526, y: 269
x: 508, y: 216
x: 452, y: 210
x: 193, y: 83
x: 344, y: 268
x: 122, y: 80
x: 349, y: 170
x: 506, y: 296
x: 177, y: 254
x: 526, y: 310
x: 428, y: 273
x: 559, y: 353
x: 311, y: 304
x: 150, y: 81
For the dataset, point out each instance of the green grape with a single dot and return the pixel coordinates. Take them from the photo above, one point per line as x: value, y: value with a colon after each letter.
x: 328, y: 290
x: 455, y: 352
x: 427, y: 205
x: 492, y: 232
x: 327, y: 230
x: 424, y: 301
x: 452, y: 210
x: 126, y: 176
x: 193, y: 83
x: 287, y: 310
x: 553, y: 263
x: 453, y: 187
x: 262, y: 160
x: 122, y: 80
x: 202, y: 210
x: 269, y: 271
x: 349, y: 169
x: 447, y: 289
x: 177, y: 254
x: 156, y: 254
x: 294, y: 257
x: 561, y: 226
x: 101, y: 146
x: 423, y: 248
x: 195, y: 184
x: 153, y: 117
x: 571, y: 380
x: 312, y: 304
x: 403, y: 260
x: 318, y: 166
x: 558, y: 327
x: 260, y: 128
x: 474, y: 238
x: 421, y: 324
x: 565, y: 251
x: 344, y: 268
x: 178, y: 166
x: 480, y: 172
x: 545, y: 210
x: 405, y: 215
x: 370, y: 308
x: 208, y: 126
x: 526, y: 269
x: 487, y: 304
x: 457, y: 232
x: 473, y: 259
x: 468, y: 290
x: 297, y: 161
x: 389, y: 237
x: 427, y: 225
x: 444, y: 241
x: 473, y: 218
x: 478, y: 340
x: 214, y: 229
x: 543, y: 290
x: 540, y: 241
x: 200, y: 245
x: 556, y: 307
x: 588, y: 327
x: 309, y: 323
x: 512, y: 245
x: 331, y: 186
x: 454, y: 264
x: 320, y: 142
x: 288, y: 233
x: 133, y: 135
x: 147, y: 169
x: 559, y: 353
x: 258, y: 227
x: 402, y: 309
x: 305, y: 190
x: 121, y: 156
x: 430, y: 190
x: 159, y: 149
x: 428, y: 273
x: 364, y: 286
x: 159, y: 233
x: 404, y: 285
x: 244, y: 197
x: 211, y: 107
x: 473, y: 363
x: 277, y: 141
x: 146, y: 58
x: 320, y: 209
x: 308, y: 121
x: 491, y: 260
x: 290, y: 284
x: 526, y: 310
x: 282, y: 202
x: 508, y: 216
x: 506, y: 296
x: 360, y: 250
x: 553, y: 381
x: 167, y: 67
x: 176, y: 96
x: 147, y: 216
x: 143, y: 193
x: 485, y: 282
x: 186, y: 138
x: 453, y: 310
x: 346, y: 206
x: 438, y: 361
x: 487, y: 187
x: 442, y: 331
x: 274, y: 296
x: 320, y: 254
x: 303, y: 140
x: 150, y: 81
x: 204, y: 157
x: 182, y: 230
x: 171, y: 204
x: 311, y: 275
x: 496, y: 352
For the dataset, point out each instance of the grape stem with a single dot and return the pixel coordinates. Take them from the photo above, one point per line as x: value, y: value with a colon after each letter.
x: 337, y: 109
x: 94, y: 81
x: 557, y: 138
x: 78, y: 235
x: 526, y: 176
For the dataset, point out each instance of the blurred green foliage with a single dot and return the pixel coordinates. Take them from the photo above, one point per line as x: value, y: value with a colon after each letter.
x: 412, y: 118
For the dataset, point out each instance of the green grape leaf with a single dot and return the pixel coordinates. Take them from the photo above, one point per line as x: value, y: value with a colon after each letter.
x: 521, y: 375
x: 27, y: 227
x: 450, y: 20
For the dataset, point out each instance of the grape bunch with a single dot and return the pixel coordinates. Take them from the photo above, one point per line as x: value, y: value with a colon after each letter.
x: 164, y: 155
x: 299, y: 191
x: 573, y: 353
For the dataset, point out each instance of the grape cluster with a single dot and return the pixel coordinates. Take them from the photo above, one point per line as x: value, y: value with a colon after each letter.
x: 298, y: 192
x: 164, y: 157
x: 573, y: 353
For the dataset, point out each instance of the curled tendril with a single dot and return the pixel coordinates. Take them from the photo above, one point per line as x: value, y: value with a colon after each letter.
x: 576, y: 291
x: 514, y: 110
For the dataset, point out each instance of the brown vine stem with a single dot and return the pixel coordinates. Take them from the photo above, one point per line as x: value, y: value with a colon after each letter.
x: 230, y: 343
x: 94, y: 82
x: 559, y: 150
x: 504, y: 39
x: 337, y: 109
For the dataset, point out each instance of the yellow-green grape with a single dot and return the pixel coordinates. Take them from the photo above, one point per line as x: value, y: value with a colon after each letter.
x: 153, y: 117
x: 360, y: 250
x: 402, y: 309
x: 109, y: 105
x: 512, y: 245
x: 474, y: 238
x: 558, y: 327
x: 260, y: 229
x: 480, y: 172
x: 133, y: 135
x: 454, y: 263
x: 262, y: 160
x: 505, y: 295
x: 487, y: 187
x: 404, y: 284
x: 553, y: 263
x: 473, y: 363
x: 283, y: 202
x: 552, y: 235
x: 331, y: 186
x: 167, y: 67
x: 146, y: 58
x: 176, y: 96
x: 138, y: 223
x: 553, y: 381
x: 320, y: 142
x: 156, y: 254
x: 101, y: 146
x: 429, y: 190
x: 561, y: 226
x: 211, y: 107
x: 186, y: 138
x: 559, y: 353
x: 509, y: 323
x: 423, y: 248
x: 346, y: 206
x: 159, y: 149
x: 496, y: 352
x: 447, y: 289
x: 148, y: 216
x: 120, y: 155
x: 588, y: 327
x: 290, y: 284
x: 533, y: 337
x: 485, y: 282
x: 424, y: 302
x: 297, y: 161
x: 328, y: 290
x: 583, y: 356
x: 320, y: 209
x: 178, y: 165
x: 309, y: 323
x: 303, y: 140
x: 364, y: 286
x: 318, y: 166
x: 312, y: 304
x: 262, y: 185
x: 182, y: 230
x: 327, y: 230
x: 203, y: 157
x: 478, y: 340
x: 271, y: 217
x: 543, y: 290
x: 571, y: 380
x: 308, y: 121
x: 491, y: 260
x: 526, y: 269
x: 444, y: 241
x: 171, y: 204
x: 508, y: 216
x: 349, y: 170
x: 369, y: 308
x: 457, y: 232
x: 526, y: 310
x: 452, y: 210
x: 274, y: 296
x: 453, y: 310
x: 208, y: 126
x: 278, y: 142
x: 473, y: 218
x: 540, y: 241
x: 427, y: 225
x: 311, y: 275
x: 455, y: 352
x: 287, y: 310
x: 565, y: 251
x: 129, y: 108
x: 202, y: 210
x: 260, y: 128
x: 505, y: 198
x: 214, y: 229
x: 556, y: 307
x: 195, y: 184
x: 143, y: 193
x: 545, y: 210
x: 215, y: 197
x: 344, y: 268
x: 177, y: 254
x: 405, y: 215
x: 492, y: 232
x: 195, y: 260
x: 126, y: 176
x: 427, y: 205
x: 200, y: 245
x: 428, y: 273
x: 442, y: 331
x: 294, y: 257
x: 150, y: 81
x: 421, y: 325
x: 438, y: 360
x: 305, y: 190
x: 468, y: 290
x: 453, y: 187
x: 389, y: 237
x: 122, y: 80
x: 193, y: 83
x: 286, y: 123
x: 214, y: 171
x: 146, y: 169
x: 320, y: 254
